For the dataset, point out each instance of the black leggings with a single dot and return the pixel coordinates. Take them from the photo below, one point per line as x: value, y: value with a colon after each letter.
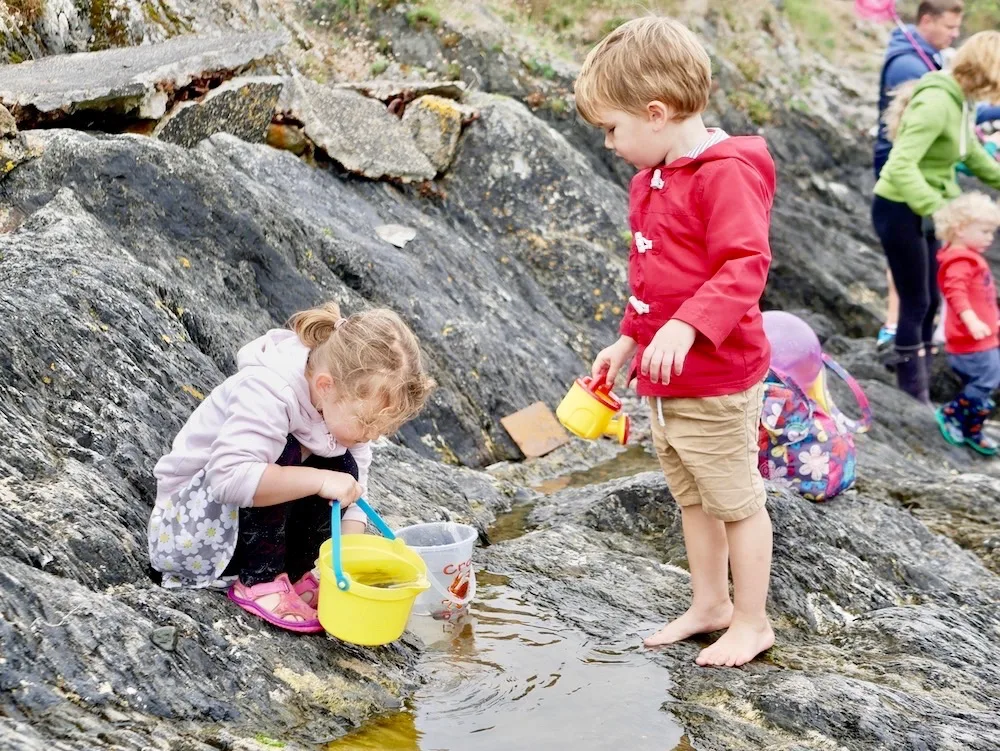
x: 912, y: 254
x: 285, y: 538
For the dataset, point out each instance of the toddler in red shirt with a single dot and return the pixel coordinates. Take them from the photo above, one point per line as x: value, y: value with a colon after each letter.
x: 966, y: 226
x: 699, y: 210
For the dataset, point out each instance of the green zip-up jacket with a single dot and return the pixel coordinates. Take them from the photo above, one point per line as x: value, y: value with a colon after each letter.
x: 921, y: 167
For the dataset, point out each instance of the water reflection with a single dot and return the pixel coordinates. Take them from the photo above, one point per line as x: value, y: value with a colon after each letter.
x: 510, y: 675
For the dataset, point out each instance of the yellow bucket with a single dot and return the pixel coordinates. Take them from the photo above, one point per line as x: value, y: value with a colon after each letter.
x: 365, y: 614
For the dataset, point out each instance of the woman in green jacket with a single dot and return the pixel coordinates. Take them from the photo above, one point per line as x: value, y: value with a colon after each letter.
x: 935, y: 133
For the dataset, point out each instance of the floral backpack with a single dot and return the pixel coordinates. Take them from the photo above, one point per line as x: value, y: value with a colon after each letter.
x: 804, y: 446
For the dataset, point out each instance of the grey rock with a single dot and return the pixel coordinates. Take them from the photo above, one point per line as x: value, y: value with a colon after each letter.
x: 242, y: 107
x: 435, y: 124
x: 165, y: 637
x: 133, y: 81
x: 396, y: 234
x: 15, y: 151
x: 408, y: 90
x: 882, y: 625
x: 8, y: 126
x: 355, y: 131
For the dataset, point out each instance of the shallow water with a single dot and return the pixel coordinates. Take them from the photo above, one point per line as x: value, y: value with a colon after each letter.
x: 510, y: 675
x: 631, y: 461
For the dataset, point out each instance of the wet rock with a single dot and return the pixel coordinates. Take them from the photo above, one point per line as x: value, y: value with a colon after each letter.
x: 880, y: 622
x: 242, y: 107
x: 435, y: 123
x: 134, y: 82
x: 355, y: 131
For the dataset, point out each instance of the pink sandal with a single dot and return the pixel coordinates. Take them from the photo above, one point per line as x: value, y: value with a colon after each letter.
x: 289, y: 604
x: 308, y: 585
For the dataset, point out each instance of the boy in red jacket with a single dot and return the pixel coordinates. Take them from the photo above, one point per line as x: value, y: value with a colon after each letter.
x: 699, y: 210
x: 966, y: 227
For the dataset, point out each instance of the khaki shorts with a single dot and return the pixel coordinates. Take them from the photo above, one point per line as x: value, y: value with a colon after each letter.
x: 708, y: 451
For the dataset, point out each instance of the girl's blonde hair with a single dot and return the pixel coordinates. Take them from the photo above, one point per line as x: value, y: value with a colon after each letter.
x: 967, y: 209
x: 372, y: 357
x: 976, y: 66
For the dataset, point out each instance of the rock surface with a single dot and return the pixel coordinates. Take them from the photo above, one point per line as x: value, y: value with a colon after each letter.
x: 435, y: 123
x: 386, y: 91
x: 131, y: 271
x: 243, y: 107
x: 883, y: 627
x: 355, y: 131
x: 126, y: 82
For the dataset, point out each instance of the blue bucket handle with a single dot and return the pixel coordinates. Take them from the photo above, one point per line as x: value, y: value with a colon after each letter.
x: 343, y: 583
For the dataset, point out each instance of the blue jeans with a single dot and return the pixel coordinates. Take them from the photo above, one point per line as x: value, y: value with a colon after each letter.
x: 979, y: 371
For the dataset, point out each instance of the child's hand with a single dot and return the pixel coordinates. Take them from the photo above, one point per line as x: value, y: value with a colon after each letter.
x: 339, y: 486
x: 977, y: 329
x: 612, y: 358
x: 668, y: 350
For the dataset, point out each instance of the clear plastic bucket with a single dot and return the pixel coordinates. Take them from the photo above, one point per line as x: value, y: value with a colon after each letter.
x: 446, y: 548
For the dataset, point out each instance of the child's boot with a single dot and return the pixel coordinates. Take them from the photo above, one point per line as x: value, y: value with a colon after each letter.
x: 979, y: 410
x: 951, y: 419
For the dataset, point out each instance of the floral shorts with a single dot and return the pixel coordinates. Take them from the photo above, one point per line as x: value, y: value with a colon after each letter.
x: 708, y: 450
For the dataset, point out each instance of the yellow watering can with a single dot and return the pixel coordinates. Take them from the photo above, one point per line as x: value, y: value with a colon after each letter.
x: 590, y: 410
x: 367, y: 584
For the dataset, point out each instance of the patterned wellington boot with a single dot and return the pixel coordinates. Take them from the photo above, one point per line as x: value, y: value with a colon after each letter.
x: 951, y: 418
x: 979, y: 410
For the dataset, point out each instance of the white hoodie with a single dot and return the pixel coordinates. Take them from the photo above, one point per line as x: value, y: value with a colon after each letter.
x: 219, y: 456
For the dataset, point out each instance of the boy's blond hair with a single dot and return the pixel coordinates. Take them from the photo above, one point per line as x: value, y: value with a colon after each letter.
x: 976, y: 66
x: 645, y: 60
x: 967, y: 209
x: 372, y: 357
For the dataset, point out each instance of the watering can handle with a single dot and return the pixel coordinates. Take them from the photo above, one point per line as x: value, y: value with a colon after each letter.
x: 343, y: 583
x: 600, y: 385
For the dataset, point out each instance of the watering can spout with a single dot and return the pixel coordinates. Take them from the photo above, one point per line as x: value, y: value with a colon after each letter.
x: 619, y: 428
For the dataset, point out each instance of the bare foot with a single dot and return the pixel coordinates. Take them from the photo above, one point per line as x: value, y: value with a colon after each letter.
x: 701, y: 621
x: 740, y: 644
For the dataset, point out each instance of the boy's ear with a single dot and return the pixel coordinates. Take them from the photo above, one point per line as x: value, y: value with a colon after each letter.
x: 659, y: 114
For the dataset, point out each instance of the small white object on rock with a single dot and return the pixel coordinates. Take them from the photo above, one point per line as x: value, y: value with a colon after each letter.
x: 396, y: 234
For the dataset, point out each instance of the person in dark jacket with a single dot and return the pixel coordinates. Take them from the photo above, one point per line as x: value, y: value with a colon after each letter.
x: 911, y: 53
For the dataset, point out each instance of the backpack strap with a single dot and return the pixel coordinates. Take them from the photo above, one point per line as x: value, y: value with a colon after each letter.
x: 787, y: 382
x: 859, y: 426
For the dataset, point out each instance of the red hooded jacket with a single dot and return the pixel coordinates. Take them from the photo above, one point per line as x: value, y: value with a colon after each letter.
x: 967, y: 283
x: 700, y: 254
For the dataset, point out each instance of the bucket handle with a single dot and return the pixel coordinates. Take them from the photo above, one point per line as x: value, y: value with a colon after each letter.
x: 343, y: 583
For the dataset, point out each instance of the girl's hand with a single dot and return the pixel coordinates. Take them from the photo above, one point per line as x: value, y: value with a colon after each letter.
x: 612, y: 358
x: 339, y: 486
